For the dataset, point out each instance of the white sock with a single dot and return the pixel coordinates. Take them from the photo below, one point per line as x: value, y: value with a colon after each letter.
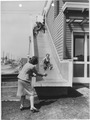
x: 32, y: 101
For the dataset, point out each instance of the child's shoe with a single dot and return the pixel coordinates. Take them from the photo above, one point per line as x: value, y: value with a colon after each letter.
x: 21, y: 108
x: 51, y: 68
x: 45, y: 68
x: 34, y: 110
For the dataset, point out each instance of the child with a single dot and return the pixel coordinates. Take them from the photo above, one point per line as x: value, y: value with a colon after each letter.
x: 24, y: 82
x: 46, y: 62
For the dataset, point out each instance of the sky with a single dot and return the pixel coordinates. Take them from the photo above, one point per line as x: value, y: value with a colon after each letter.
x: 16, y: 25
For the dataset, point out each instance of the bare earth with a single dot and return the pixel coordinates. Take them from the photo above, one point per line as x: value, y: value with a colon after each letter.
x: 73, y: 106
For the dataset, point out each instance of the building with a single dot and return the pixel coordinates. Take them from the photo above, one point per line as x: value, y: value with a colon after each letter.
x: 67, y: 23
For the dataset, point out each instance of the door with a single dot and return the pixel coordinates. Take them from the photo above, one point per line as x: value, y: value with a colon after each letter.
x: 81, y: 57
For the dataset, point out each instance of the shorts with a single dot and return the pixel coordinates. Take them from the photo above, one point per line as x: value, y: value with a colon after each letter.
x: 24, y: 88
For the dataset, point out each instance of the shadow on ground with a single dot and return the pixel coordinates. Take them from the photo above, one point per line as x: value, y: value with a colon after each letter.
x: 71, y: 93
x: 47, y: 100
x: 73, y: 105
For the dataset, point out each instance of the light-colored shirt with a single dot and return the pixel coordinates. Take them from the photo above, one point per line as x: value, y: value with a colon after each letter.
x: 27, y: 72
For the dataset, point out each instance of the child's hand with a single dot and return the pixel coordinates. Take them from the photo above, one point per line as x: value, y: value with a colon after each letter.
x: 45, y: 74
x: 33, y: 75
x: 41, y: 64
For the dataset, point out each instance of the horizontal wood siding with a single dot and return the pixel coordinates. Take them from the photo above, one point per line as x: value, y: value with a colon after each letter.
x: 75, y: 27
x: 55, y: 9
x: 50, y: 19
x: 56, y: 28
x: 76, y: 1
x: 58, y: 34
x: 68, y: 42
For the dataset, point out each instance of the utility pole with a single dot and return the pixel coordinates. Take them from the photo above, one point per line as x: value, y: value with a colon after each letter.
x: 28, y: 56
x: 3, y: 56
x: 29, y: 45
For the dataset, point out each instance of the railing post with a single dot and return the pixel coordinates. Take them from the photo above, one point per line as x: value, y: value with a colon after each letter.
x: 32, y: 52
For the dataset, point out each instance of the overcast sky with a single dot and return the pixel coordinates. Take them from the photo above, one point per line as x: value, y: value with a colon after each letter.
x: 15, y: 26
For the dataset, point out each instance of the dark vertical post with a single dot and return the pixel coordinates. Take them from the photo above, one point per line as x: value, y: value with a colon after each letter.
x: 29, y: 45
x: 3, y: 56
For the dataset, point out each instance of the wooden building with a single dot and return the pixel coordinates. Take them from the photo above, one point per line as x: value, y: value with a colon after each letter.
x: 67, y: 22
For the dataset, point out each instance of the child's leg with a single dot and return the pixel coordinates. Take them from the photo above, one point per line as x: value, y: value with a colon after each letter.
x: 45, y: 66
x: 31, y: 94
x: 33, y: 109
x: 22, y: 102
x: 32, y: 101
x: 50, y: 66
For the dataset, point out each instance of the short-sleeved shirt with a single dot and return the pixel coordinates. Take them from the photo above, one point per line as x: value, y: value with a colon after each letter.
x: 27, y: 72
x: 46, y: 60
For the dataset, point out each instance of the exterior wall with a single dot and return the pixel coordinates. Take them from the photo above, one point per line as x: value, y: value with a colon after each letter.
x: 50, y: 19
x: 76, y: 1
x: 60, y: 30
x: 61, y: 33
x: 56, y: 26
x: 57, y: 7
x: 69, y: 29
x: 58, y: 34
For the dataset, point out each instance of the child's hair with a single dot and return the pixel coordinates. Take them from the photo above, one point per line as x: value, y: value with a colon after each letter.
x: 48, y: 54
x: 29, y: 59
x: 34, y: 60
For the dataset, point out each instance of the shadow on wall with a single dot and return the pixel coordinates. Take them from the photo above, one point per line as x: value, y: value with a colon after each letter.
x: 80, y: 85
x: 67, y: 54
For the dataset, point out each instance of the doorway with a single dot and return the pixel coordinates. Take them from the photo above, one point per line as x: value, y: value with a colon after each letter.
x: 81, y: 57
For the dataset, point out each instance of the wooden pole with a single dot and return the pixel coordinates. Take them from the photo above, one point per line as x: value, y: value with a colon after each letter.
x: 29, y: 45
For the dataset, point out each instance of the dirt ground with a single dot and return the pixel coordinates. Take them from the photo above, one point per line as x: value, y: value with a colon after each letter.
x: 73, y: 106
